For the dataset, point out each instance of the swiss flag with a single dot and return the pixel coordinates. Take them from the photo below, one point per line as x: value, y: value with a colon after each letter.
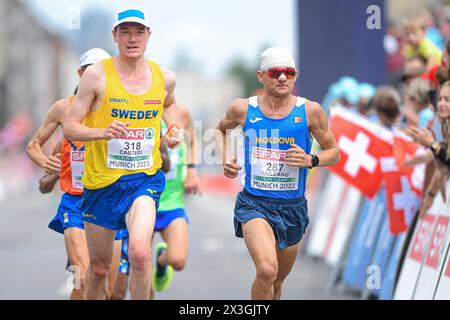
x: 402, y: 203
x: 405, y: 148
x: 362, y: 144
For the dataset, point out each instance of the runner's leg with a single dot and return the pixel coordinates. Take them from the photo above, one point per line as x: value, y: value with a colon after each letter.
x: 100, y: 244
x: 77, y: 252
x: 261, y: 244
x: 120, y: 288
x: 140, y: 222
x: 112, y: 278
x: 176, y: 236
x: 286, y: 259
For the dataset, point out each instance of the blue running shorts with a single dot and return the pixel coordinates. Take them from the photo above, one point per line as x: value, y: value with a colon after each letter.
x: 124, y: 266
x: 108, y: 206
x: 164, y: 218
x: 68, y: 215
x: 288, y: 218
x: 121, y: 234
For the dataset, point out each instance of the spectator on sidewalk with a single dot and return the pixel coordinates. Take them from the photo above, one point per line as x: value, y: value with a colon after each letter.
x: 386, y: 103
x: 419, y: 111
x: 418, y: 44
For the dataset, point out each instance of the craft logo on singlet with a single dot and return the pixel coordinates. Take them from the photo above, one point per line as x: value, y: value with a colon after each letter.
x: 269, y: 154
x: 77, y: 156
x: 118, y: 100
x: 147, y: 102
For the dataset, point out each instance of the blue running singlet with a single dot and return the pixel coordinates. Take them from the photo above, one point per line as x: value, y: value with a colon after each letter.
x: 265, y: 143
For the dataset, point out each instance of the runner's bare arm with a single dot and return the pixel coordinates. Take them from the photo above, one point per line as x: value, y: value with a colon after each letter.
x: 170, y: 106
x: 192, y: 182
x: 318, y: 126
x: 234, y: 117
x: 165, y: 157
x: 48, y: 181
x: 52, y: 120
x: 174, y: 134
x: 91, y: 85
x: 186, y: 123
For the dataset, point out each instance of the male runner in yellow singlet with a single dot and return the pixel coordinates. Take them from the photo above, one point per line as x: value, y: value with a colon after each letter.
x: 121, y: 101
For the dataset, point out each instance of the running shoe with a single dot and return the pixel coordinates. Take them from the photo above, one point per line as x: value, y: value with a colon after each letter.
x: 162, y: 275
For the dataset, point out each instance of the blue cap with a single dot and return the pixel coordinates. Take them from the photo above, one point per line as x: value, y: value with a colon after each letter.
x: 366, y: 90
x: 349, y: 87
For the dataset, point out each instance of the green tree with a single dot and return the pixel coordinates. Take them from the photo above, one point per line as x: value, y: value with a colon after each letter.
x: 246, y: 72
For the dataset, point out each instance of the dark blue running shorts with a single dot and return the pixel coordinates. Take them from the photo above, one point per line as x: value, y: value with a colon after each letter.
x: 288, y: 218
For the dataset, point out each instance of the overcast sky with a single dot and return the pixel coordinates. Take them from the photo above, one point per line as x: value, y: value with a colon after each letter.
x: 211, y: 31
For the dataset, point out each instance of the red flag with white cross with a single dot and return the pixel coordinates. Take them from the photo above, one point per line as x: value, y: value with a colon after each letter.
x: 405, y: 148
x: 402, y: 202
x: 362, y: 144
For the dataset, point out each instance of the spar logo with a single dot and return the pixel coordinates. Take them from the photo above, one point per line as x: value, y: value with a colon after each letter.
x: 147, y: 102
x: 135, y: 134
x: 77, y: 156
x: 149, y: 133
x: 269, y: 154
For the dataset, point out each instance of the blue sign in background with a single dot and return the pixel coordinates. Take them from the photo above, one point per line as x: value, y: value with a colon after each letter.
x: 388, y: 281
x: 334, y: 41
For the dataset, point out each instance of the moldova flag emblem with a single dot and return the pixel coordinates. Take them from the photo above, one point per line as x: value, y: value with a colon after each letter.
x: 297, y: 120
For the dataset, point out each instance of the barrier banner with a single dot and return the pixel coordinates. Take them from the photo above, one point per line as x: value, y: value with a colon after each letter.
x: 443, y: 288
x: 388, y: 280
x: 416, y: 254
x: 381, y: 255
x: 348, y: 213
x: 326, y: 215
x: 314, y: 186
x: 364, y: 242
x: 436, y: 252
x: 362, y: 144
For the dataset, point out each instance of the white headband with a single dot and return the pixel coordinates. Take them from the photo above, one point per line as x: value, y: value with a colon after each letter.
x: 276, y: 57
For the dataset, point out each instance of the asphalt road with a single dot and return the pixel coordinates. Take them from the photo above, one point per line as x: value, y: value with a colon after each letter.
x: 33, y: 258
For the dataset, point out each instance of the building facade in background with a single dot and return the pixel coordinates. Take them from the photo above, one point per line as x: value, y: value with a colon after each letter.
x: 36, y: 68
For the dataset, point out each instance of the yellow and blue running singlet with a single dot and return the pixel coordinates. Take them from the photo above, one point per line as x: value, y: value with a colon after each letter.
x: 138, y: 152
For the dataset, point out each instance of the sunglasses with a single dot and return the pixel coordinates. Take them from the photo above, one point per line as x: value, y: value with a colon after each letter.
x: 83, y: 68
x: 275, y: 73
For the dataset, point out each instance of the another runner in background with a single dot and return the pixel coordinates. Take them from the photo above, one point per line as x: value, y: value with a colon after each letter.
x: 66, y: 164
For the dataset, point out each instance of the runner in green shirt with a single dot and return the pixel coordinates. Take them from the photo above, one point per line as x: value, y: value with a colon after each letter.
x: 171, y: 218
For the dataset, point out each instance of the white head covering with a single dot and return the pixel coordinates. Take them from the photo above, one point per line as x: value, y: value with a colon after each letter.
x: 276, y: 57
x: 132, y: 14
x: 93, y: 56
